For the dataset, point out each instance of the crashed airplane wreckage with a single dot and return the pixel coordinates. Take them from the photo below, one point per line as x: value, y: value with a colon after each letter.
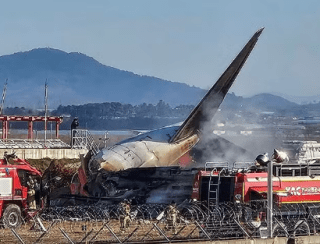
x: 142, y: 167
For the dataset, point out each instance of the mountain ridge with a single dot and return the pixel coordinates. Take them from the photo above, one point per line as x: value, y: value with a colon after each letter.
x: 82, y: 79
x: 75, y: 78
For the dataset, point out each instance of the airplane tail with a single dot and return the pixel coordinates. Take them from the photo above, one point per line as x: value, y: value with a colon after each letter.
x: 209, y: 105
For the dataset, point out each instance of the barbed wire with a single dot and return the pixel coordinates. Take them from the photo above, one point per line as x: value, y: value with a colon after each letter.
x: 151, y: 222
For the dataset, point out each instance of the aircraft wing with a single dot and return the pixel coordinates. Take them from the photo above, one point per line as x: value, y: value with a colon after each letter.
x: 208, y: 106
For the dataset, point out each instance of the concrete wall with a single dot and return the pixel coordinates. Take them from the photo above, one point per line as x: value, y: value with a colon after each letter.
x: 248, y: 241
x: 280, y: 240
x: 37, y: 153
x: 307, y: 240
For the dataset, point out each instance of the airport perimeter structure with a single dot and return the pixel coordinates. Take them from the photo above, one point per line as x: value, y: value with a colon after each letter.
x: 30, y: 119
x: 102, y: 224
x: 47, y: 148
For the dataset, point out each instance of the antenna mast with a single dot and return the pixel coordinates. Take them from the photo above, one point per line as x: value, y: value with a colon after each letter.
x: 3, y: 96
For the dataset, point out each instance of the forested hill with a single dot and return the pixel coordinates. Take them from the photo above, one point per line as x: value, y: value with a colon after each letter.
x: 74, y: 78
x: 123, y: 116
x: 116, y: 115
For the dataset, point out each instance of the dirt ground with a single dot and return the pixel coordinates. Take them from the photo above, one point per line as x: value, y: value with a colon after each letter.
x: 97, y: 232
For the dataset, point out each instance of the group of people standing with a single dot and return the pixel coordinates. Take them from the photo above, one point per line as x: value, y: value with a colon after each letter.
x: 171, y: 213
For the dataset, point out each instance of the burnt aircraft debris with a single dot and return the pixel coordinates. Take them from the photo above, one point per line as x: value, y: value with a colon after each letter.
x: 164, y: 147
x: 141, y: 167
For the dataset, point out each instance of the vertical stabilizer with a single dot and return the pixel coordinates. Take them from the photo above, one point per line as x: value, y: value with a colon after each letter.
x: 209, y: 105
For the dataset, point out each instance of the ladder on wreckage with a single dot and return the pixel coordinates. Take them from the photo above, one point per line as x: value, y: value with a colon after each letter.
x: 214, y: 187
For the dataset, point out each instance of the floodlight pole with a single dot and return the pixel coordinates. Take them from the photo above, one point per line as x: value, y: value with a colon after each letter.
x: 270, y: 199
x: 45, y: 112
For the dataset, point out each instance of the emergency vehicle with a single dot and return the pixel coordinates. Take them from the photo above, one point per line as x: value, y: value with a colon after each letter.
x: 14, y: 203
x: 296, y: 194
x: 292, y: 183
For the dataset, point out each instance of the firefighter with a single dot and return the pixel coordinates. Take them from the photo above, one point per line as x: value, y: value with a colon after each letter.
x: 172, y: 216
x: 31, y: 194
x: 125, y: 215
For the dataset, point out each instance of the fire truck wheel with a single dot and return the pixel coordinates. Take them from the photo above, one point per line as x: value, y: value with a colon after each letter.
x: 12, y: 216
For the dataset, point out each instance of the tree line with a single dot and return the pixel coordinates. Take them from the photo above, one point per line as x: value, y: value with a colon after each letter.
x: 112, y: 115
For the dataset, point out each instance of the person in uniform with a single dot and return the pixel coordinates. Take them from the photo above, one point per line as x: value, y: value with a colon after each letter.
x: 74, y: 125
x: 125, y: 215
x: 31, y: 194
x: 172, y: 216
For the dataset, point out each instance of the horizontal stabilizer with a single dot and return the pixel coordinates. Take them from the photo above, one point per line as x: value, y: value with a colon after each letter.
x: 209, y: 105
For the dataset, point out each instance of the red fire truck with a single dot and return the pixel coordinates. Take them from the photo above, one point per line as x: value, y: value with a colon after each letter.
x: 292, y: 183
x: 296, y: 194
x: 16, y: 193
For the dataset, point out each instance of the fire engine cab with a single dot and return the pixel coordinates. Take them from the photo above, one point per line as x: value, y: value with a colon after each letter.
x: 19, y: 190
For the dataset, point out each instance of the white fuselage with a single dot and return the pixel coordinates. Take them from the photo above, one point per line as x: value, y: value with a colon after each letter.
x: 150, y: 149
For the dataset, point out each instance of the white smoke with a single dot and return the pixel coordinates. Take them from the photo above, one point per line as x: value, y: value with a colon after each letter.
x: 233, y: 143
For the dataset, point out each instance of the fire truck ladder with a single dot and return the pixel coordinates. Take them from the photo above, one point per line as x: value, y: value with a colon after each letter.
x: 213, y: 188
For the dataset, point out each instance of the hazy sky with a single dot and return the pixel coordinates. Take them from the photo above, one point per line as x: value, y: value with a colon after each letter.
x: 184, y: 41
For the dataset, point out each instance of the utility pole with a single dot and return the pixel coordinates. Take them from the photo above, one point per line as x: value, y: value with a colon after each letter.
x: 45, y: 111
x: 3, y: 96
x: 270, y: 199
